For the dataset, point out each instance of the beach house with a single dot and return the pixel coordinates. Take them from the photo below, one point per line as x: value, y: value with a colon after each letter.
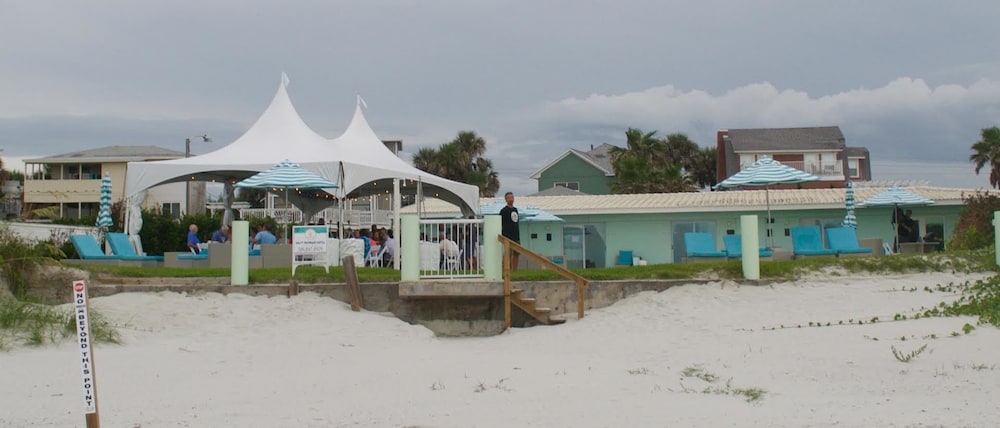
x: 71, y: 182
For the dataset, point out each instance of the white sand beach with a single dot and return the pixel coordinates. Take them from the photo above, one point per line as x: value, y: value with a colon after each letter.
x: 309, y: 361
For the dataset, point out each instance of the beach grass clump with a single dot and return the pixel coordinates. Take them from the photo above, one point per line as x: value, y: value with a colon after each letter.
x: 33, y: 324
x: 19, y: 258
x: 905, y: 357
x: 751, y: 395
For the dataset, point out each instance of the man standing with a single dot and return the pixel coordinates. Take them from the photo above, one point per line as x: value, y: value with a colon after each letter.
x: 509, y: 226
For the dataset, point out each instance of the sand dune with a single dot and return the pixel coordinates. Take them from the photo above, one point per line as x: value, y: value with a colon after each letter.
x: 693, y: 355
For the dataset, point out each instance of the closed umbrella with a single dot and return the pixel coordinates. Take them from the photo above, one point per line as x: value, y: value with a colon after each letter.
x: 104, y: 220
x: 766, y: 172
x: 850, y: 220
x: 287, y: 175
x: 896, y: 197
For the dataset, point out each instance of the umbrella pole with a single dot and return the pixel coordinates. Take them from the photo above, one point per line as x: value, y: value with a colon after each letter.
x: 770, y: 233
x: 287, y: 216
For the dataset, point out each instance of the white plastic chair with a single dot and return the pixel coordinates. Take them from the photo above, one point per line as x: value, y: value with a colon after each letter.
x: 375, y: 260
x: 453, y: 261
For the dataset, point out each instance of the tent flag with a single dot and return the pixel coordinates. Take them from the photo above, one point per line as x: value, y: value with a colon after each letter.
x: 104, y: 220
x: 766, y: 172
x: 850, y: 220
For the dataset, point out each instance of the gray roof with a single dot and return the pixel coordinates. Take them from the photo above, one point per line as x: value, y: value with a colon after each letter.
x: 738, y: 201
x: 112, y: 154
x: 558, y: 191
x: 856, y: 152
x: 787, y: 139
x: 601, y: 156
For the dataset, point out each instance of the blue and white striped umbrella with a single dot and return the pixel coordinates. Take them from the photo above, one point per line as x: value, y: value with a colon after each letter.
x: 286, y: 175
x: 896, y: 197
x: 766, y: 172
x: 525, y: 213
x: 104, y: 220
x: 850, y: 220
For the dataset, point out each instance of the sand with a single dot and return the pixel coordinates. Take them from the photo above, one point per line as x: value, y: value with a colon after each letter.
x: 693, y: 355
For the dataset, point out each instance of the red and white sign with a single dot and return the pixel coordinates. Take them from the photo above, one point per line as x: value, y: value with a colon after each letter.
x: 86, y: 353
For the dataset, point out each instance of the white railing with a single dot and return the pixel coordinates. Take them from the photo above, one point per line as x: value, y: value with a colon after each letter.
x: 820, y: 169
x: 460, y: 257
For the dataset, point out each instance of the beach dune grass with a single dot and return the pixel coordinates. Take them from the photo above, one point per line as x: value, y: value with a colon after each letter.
x: 27, y: 323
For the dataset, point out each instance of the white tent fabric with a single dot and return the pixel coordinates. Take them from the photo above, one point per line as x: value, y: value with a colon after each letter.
x: 357, y: 159
x: 369, y: 167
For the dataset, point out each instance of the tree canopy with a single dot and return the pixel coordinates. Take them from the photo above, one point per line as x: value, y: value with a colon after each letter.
x: 461, y: 160
x: 986, y: 152
x: 652, y: 165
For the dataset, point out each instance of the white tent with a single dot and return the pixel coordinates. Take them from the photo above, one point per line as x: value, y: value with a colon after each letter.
x: 357, y: 159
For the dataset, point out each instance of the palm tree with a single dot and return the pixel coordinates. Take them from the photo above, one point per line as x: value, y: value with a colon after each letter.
x: 703, y: 167
x: 426, y: 159
x: 461, y: 160
x: 987, y: 151
x: 680, y: 149
x: 650, y: 165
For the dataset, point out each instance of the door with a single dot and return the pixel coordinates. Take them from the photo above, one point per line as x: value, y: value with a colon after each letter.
x: 574, y: 246
x: 583, y: 245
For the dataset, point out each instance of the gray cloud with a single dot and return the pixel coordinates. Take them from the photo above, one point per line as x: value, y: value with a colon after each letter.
x: 535, y: 78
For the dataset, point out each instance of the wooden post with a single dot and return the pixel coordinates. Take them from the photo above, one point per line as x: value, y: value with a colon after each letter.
x: 353, y: 287
x: 579, y: 298
x: 506, y: 286
x: 293, y: 288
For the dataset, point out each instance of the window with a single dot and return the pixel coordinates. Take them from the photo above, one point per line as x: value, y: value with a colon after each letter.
x: 852, y: 168
x: 173, y: 209
x: 575, y: 185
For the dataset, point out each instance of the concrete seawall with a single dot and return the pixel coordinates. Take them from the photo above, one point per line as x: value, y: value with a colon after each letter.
x: 449, y: 308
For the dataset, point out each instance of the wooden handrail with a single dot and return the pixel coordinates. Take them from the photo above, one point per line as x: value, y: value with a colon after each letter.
x: 510, y: 246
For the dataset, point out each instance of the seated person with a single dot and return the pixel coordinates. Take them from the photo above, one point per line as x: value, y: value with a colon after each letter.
x: 221, y: 235
x: 363, y: 236
x: 193, y: 243
x: 389, y: 250
x: 264, y: 236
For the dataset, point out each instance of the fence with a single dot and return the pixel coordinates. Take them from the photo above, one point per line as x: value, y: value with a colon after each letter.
x: 451, y: 248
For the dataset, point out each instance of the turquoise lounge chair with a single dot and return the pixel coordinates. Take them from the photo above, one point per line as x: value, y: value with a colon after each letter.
x: 845, y: 241
x: 88, y: 248
x: 122, y: 248
x: 806, y: 241
x: 734, y: 247
x: 701, y: 244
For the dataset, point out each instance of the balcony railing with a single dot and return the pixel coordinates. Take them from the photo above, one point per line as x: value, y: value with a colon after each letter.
x: 824, y: 170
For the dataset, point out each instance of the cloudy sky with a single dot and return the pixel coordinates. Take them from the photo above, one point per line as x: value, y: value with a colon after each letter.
x: 914, y: 81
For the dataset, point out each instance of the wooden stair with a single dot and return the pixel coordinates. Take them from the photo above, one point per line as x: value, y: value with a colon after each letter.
x: 527, y: 304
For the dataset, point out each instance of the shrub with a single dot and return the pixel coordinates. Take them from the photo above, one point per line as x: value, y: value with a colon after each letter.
x: 974, y: 228
x: 19, y: 258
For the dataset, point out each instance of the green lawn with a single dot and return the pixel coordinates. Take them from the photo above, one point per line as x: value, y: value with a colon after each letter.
x: 732, y: 269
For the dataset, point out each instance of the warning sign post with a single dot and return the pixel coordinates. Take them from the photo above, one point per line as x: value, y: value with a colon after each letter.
x: 86, y: 360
